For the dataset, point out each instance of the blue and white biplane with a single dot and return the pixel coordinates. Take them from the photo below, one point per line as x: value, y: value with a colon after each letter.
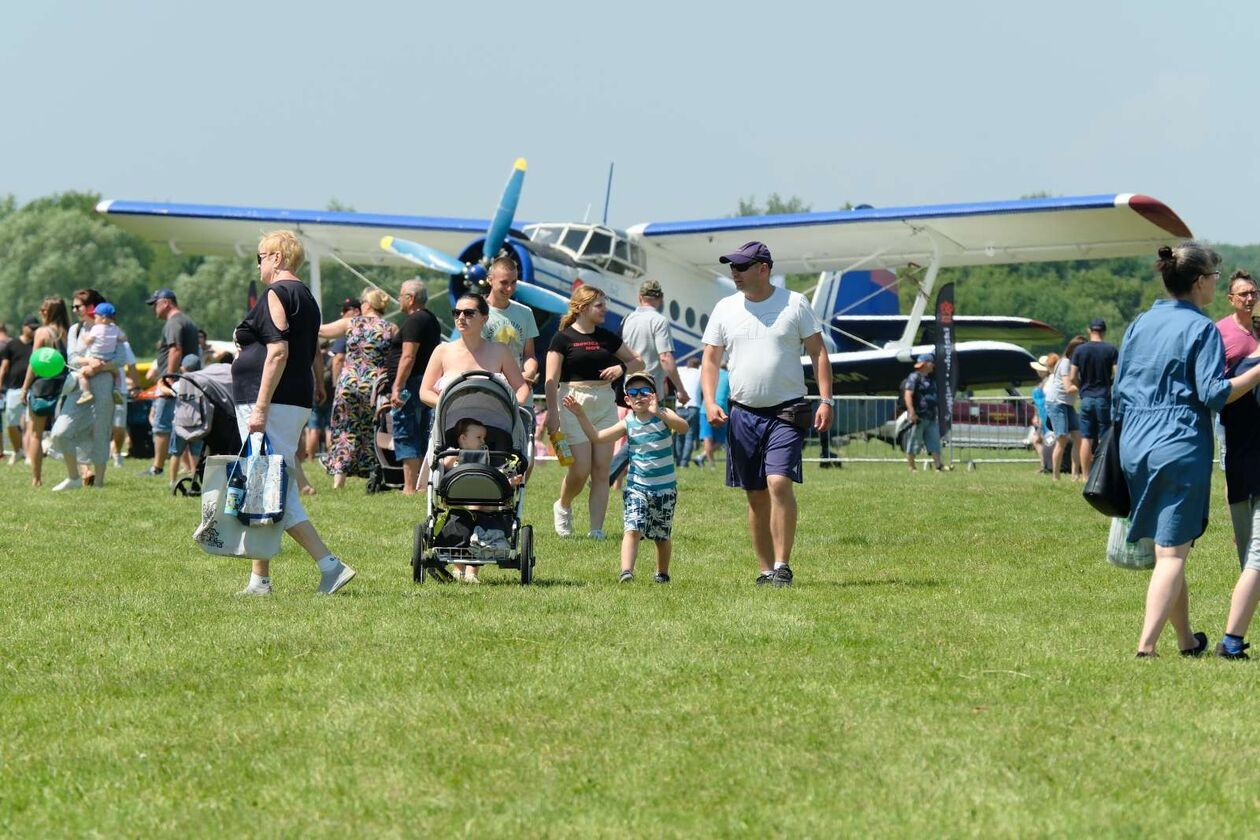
x: 854, y: 252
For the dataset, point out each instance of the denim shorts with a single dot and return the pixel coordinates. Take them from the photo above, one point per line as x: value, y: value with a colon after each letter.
x: 759, y: 445
x: 925, y: 433
x: 320, y: 416
x: 409, y: 422
x: 162, y: 416
x: 178, y: 445
x: 1095, y: 416
x: 1063, y: 418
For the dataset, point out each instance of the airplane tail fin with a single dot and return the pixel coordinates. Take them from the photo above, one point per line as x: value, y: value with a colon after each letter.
x: 859, y: 292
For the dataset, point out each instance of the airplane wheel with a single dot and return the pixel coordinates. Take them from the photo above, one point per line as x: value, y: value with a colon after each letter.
x: 526, y: 554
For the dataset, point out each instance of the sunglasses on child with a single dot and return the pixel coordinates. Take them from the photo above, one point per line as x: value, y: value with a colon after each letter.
x: 639, y: 392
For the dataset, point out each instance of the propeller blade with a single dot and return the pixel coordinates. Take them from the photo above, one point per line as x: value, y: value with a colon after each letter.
x: 540, y: 298
x: 502, y: 221
x: 422, y: 255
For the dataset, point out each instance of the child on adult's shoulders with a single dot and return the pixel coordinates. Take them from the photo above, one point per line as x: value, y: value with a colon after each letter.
x: 650, y: 493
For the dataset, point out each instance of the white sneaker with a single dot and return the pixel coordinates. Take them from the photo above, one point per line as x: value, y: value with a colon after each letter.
x: 12, y: 458
x: 68, y: 484
x: 595, y: 534
x: 118, y: 461
x: 330, y: 582
x: 562, y: 520
x: 256, y: 589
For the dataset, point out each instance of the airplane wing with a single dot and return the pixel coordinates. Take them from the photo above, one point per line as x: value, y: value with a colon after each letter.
x: 235, y: 231
x: 1028, y: 230
x: 882, y: 328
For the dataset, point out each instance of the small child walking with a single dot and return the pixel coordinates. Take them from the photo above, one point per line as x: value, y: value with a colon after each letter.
x: 101, y: 343
x: 650, y: 491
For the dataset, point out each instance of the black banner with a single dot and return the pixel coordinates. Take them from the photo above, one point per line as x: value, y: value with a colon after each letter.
x: 946, y: 359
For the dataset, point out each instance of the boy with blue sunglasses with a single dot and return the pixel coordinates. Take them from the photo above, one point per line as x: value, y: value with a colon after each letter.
x: 650, y: 491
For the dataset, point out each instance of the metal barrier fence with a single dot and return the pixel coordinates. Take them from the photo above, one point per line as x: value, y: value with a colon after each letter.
x: 985, y: 430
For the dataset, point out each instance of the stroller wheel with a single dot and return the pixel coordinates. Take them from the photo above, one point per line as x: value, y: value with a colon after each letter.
x: 420, y: 547
x: 183, y: 487
x: 526, y: 554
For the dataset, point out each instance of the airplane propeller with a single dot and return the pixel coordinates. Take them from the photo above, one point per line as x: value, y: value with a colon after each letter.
x: 496, y: 235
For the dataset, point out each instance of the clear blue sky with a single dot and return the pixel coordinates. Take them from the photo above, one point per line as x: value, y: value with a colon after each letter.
x: 422, y: 107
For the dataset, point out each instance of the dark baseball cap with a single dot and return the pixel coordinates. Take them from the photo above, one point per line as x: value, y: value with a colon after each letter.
x: 351, y: 303
x: 1098, y: 324
x: 751, y: 252
x: 161, y: 294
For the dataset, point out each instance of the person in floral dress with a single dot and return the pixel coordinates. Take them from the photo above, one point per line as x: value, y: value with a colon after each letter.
x: 352, y: 424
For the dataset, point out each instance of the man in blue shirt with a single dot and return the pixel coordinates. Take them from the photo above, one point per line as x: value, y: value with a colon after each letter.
x: 918, y: 392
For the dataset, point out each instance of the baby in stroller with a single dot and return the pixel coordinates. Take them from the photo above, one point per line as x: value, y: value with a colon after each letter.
x: 479, y: 455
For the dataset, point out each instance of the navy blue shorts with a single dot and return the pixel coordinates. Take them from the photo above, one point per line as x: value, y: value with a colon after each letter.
x: 1095, y: 417
x: 758, y: 446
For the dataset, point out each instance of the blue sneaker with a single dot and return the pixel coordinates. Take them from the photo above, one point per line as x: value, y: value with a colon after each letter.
x: 1224, y: 652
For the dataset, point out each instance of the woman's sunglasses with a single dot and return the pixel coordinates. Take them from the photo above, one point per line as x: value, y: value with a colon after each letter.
x: 467, y: 313
x: 639, y: 392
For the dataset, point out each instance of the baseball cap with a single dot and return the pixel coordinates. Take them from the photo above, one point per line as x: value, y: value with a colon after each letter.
x: 350, y: 303
x: 1098, y: 324
x: 32, y: 322
x: 650, y: 288
x: 106, y: 309
x: 924, y: 359
x: 161, y: 294
x: 751, y: 252
x: 191, y: 362
x: 645, y: 377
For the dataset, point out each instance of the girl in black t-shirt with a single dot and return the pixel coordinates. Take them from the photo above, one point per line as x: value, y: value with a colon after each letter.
x: 584, y: 359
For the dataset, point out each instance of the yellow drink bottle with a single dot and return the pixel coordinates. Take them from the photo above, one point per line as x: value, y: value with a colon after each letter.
x: 560, y: 443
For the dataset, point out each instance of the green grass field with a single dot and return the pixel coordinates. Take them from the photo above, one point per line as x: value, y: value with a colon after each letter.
x: 955, y: 659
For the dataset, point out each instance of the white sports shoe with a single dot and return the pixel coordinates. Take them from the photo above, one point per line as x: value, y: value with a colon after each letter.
x: 118, y: 461
x: 330, y: 582
x: 12, y: 458
x: 562, y: 520
x: 256, y: 589
x: 68, y: 484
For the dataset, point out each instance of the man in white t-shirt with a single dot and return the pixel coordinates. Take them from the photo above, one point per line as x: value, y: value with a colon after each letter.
x: 761, y: 328
x: 509, y: 322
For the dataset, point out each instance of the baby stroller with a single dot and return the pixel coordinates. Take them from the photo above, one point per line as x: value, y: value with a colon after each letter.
x: 205, y: 412
x: 478, y: 479
x: 387, y: 472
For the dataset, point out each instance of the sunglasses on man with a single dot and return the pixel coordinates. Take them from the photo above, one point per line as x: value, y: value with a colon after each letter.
x: 467, y: 313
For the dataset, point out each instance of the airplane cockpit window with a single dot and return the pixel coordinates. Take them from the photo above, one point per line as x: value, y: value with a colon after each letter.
x: 573, y: 238
x: 546, y: 235
x: 599, y: 245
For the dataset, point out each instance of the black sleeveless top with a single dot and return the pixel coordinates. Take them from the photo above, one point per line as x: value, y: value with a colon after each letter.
x: 297, y: 382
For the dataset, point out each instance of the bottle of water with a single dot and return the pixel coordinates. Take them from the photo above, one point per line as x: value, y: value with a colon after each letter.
x: 235, y: 498
x: 560, y: 443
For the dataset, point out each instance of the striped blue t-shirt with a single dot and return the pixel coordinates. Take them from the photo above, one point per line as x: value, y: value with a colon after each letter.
x: 651, y: 454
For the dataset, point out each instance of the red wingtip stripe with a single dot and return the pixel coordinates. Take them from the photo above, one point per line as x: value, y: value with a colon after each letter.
x: 1158, y: 213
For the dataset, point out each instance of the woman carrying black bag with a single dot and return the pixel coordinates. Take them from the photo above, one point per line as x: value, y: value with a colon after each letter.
x: 1170, y: 378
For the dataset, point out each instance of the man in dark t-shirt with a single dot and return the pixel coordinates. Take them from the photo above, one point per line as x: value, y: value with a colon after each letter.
x: 408, y: 356
x: 1094, y: 369
x: 14, y: 358
x: 179, y: 339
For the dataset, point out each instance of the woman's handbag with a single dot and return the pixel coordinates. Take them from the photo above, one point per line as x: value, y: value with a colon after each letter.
x: 1127, y: 555
x: 266, y: 484
x: 226, y: 535
x: 44, y: 394
x: 1106, y: 487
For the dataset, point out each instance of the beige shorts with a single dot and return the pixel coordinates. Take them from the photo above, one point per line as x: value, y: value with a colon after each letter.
x: 596, y: 399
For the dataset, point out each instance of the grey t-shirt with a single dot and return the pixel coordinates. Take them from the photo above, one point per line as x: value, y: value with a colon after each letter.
x: 647, y: 333
x: 512, y: 326
x: 179, y: 331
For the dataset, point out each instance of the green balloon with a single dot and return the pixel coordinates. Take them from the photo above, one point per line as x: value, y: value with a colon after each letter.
x: 47, y: 361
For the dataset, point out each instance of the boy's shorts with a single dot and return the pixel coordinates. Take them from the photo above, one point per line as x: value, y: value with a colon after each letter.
x: 650, y: 512
x: 178, y: 445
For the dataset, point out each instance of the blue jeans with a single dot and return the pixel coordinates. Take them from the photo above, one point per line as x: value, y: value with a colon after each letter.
x: 925, y: 433
x: 684, y: 444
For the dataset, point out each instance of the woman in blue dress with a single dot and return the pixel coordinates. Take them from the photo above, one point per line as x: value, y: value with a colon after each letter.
x: 1169, y: 379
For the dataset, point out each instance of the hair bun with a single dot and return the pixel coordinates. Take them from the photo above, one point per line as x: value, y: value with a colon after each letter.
x: 1165, y: 253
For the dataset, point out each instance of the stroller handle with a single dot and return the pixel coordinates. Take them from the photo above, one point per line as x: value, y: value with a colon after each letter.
x: 474, y: 374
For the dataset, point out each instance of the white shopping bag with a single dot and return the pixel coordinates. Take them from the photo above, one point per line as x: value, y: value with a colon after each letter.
x: 1127, y: 555
x: 227, y: 535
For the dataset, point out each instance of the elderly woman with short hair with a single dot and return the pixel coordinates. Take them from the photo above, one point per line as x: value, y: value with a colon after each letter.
x: 273, y: 385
